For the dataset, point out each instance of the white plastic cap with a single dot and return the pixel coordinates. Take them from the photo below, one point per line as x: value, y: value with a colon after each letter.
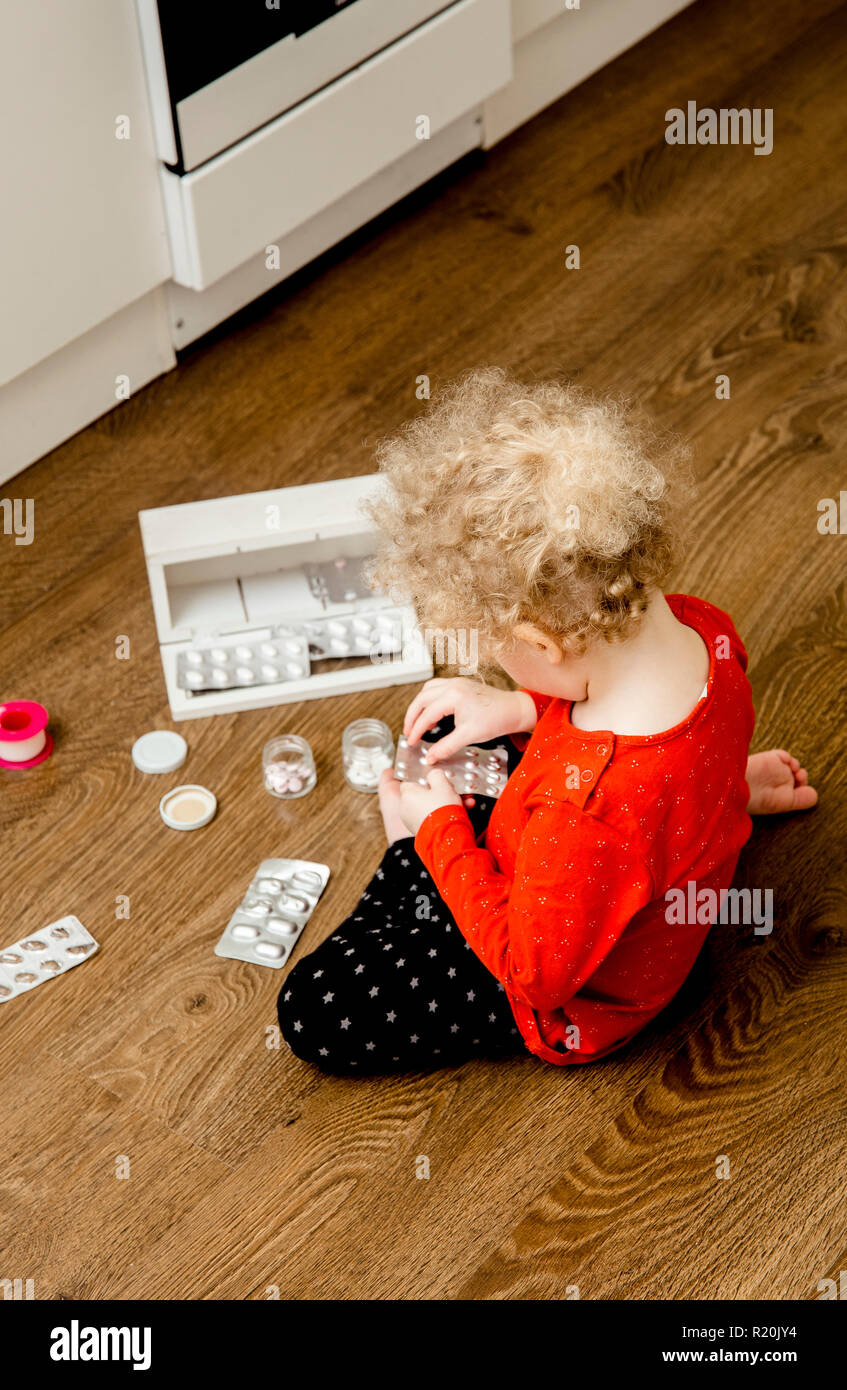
x: 159, y: 751
x: 188, y: 808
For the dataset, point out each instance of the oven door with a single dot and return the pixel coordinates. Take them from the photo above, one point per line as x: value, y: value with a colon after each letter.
x: 223, y: 69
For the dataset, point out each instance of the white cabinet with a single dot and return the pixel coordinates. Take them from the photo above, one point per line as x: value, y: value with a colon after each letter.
x: 557, y: 45
x: 83, y: 232
x: 214, y: 83
x: 84, y: 251
x: 249, y: 125
x: 263, y: 188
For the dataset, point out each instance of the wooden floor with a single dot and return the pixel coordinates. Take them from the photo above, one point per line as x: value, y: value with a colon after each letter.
x: 247, y: 1168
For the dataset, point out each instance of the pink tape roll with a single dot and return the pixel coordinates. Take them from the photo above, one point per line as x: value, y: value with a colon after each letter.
x: 24, y: 740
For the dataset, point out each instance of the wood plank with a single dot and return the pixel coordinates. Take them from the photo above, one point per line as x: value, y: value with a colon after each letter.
x: 87, y: 1180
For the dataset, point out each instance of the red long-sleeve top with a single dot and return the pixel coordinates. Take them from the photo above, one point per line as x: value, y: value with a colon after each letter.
x: 563, y: 897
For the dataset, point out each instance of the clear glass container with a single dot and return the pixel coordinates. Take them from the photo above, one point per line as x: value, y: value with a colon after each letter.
x: 367, y: 747
x: 288, y: 767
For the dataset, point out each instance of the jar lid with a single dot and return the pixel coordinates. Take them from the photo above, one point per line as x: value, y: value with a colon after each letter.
x: 187, y: 808
x: 159, y: 751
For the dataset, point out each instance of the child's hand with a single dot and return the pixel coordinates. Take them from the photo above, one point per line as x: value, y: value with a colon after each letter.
x: 480, y: 712
x: 416, y: 802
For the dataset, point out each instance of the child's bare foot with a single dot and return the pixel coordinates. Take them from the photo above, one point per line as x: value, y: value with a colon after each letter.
x: 777, y: 784
x: 388, y: 792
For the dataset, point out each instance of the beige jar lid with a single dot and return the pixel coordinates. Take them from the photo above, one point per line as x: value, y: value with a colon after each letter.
x: 187, y: 808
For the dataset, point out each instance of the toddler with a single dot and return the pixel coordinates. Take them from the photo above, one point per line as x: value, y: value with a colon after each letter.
x: 545, y: 524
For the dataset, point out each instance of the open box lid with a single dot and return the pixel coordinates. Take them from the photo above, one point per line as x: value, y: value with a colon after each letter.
x: 253, y: 520
x: 233, y: 563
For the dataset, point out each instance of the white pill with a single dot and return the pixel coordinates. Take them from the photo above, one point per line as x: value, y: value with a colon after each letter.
x: 220, y: 655
x: 244, y: 674
x: 361, y: 624
x: 294, y: 903
x: 340, y: 645
x: 245, y: 933
x: 306, y: 878
x: 294, y: 647
x: 295, y: 784
x: 295, y: 669
x: 281, y: 926
x: 244, y: 653
x: 194, y: 679
x: 194, y: 658
x: 362, y: 779
x: 220, y: 677
x: 270, y: 673
x: 269, y: 948
x: 337, y: 626
x: 268, y: 649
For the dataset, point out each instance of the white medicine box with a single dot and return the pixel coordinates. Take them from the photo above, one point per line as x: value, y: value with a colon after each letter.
x: 241, y: 585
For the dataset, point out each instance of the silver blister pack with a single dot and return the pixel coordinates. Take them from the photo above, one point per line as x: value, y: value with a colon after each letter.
x: 339, y: 580
x: 43, y: 955
x: 472, y: 771
x: 267, y: 923
x: 284, y: 656
x: 375, y: 633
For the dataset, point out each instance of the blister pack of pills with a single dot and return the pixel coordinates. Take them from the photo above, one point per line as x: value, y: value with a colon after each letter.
x: 356, y: 634
x: 472, y: 771
x: 282, y: 657
x: 338, y: 581
x: 43, y: 955
x: 265, y: 926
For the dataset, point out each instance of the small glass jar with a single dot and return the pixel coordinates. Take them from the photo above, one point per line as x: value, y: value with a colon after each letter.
x: 288, y: 767
x: 367, y: 747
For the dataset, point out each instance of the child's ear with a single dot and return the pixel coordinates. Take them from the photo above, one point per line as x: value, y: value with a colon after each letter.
x: 540, y: 641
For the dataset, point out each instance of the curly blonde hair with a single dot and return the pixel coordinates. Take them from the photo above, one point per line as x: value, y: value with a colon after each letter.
x: 510, y: 503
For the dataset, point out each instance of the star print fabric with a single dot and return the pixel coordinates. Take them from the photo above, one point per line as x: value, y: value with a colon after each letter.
x: 395, y: 987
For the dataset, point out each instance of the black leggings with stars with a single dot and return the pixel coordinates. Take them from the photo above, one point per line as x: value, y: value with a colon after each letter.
x: 396, y: 987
